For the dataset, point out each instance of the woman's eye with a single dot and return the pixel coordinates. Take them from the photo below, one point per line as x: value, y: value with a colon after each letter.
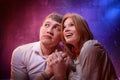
x: 71, y: 24
x: 64, y: 27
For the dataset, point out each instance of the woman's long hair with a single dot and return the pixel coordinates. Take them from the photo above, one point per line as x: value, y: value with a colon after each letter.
x: 82, y: 29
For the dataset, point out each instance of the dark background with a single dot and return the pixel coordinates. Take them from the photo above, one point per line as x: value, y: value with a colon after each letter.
x: 20, y: 21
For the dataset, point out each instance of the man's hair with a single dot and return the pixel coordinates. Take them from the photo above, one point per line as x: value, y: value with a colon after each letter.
x: 55, y: 16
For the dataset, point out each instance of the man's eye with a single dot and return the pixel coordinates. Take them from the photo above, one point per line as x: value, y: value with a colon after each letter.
x: 46, y: 25
x: 57, y: 28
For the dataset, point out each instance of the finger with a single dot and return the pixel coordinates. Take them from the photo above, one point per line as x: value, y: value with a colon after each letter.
x: 64, y: 55
x: 59, y: 57
x: 56, y: 50
x: 53, y: 58
x: 50, y: 59
x: 65, y: 58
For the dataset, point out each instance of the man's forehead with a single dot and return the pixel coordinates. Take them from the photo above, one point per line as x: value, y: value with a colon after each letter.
x: 51, y: 21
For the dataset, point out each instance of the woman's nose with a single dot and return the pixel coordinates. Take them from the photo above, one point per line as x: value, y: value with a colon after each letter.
x: 66, y: 29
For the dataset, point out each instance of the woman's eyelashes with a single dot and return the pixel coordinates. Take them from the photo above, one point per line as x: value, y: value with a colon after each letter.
x: 71, y: 24
x: 64, y: 27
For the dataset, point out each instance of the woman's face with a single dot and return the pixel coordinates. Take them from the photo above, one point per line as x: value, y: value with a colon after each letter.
x: 70, y: 33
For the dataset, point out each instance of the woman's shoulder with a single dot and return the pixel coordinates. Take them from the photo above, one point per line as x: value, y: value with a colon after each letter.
x: 91, y: 43
x: 92, y: 49
x: 92, y: 46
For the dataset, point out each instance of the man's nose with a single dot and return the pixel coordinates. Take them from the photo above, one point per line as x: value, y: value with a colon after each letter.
x: 50, y: 31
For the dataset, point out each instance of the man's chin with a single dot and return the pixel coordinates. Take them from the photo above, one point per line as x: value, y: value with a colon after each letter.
x: 46, y: 42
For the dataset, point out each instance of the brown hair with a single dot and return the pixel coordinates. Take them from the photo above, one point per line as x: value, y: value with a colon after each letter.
x: 82, y: 29
x: 55, y: 16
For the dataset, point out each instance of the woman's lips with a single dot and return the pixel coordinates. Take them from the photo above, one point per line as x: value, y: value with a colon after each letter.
x: 68, y: 35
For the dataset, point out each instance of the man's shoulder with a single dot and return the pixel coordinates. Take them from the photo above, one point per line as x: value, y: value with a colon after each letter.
x: 26, y: 47
x: 23, y: 53
x: 29, y: 44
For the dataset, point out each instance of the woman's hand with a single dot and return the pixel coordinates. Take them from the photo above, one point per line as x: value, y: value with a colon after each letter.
x: 57, y: 63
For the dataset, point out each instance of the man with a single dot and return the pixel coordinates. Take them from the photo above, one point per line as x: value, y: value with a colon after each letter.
x: 29, y: 61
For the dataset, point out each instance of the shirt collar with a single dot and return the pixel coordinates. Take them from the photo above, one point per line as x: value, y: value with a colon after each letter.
x: 36, y: 47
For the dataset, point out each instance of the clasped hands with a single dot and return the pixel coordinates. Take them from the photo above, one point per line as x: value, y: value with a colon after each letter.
x: 57, y: 64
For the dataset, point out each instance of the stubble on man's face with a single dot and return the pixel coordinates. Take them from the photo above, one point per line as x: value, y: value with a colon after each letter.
x: 50, y: 32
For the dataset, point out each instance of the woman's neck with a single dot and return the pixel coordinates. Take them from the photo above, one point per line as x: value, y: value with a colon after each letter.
x: 76, y: 49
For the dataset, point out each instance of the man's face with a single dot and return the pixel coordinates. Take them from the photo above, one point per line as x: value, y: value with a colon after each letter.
x: 50, y: 32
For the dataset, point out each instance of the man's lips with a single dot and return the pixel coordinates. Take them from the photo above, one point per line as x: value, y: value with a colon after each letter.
x: 47, y: 36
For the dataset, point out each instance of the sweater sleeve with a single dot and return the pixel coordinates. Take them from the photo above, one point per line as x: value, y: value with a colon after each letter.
x: 95, y: 63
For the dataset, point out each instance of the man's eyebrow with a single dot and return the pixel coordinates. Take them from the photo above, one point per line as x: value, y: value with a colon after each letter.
x: 58, y: 24
x: 47, y: 22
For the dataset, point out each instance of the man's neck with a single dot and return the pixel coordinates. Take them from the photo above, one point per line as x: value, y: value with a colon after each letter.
x: 46, y: 49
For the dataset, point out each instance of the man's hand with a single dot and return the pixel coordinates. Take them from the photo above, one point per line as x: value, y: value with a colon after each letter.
x: 57, y: 62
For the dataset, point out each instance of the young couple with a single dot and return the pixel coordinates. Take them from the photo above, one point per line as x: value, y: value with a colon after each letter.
x: 79, y: 58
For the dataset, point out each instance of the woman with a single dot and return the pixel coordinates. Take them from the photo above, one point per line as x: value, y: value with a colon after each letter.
x: 90, y: 58
x: 91, y: 61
